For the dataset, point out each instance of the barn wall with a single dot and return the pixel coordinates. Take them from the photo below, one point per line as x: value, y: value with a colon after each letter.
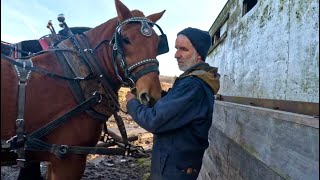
x: 271, y: 52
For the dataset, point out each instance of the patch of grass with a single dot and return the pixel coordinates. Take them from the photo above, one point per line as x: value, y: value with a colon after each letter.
x: 145, y: 163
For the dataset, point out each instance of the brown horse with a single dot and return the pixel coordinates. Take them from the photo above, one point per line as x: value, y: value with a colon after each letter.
x: 50, y: 101
x: 22, y: 49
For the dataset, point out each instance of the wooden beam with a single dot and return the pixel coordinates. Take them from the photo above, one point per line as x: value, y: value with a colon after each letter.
x: 306, y: 108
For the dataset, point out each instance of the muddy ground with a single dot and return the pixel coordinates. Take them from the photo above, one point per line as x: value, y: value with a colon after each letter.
x: 110, y: 167
x: 101, y: 167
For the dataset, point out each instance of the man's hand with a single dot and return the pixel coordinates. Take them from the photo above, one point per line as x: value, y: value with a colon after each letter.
x: 129, y: 96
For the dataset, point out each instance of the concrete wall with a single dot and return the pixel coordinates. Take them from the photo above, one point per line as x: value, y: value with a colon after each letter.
x: 251, y: 143
x: 271, y: 52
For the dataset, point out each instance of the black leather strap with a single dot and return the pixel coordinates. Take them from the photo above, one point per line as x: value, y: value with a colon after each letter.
x: 42, y: 71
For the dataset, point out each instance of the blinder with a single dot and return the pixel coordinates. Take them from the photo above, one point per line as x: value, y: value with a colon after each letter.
x: 163, y: 46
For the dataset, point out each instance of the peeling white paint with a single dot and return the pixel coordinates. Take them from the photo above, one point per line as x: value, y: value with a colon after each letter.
x: 270, y: 52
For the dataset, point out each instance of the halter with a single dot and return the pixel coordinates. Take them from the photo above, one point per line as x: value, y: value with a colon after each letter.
x: 129, y: 78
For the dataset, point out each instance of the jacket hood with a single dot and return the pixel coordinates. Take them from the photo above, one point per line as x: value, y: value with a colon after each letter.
x: 205, y: 72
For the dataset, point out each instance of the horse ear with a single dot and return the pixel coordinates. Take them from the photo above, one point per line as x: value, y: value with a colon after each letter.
x: 155, y: 17
x: 122, y: 11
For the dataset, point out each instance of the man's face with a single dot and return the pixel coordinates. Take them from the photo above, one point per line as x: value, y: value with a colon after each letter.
x: 186, y: 54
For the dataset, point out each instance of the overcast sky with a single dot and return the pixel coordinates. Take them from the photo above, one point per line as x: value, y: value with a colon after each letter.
x: 27, y: 19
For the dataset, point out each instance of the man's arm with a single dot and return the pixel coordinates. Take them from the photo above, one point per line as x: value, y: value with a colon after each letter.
x: 176, y: 109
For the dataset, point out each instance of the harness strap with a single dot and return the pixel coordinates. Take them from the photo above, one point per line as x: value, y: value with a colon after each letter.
x: 23, y: 76
x: 109, y: 91
x: 106, y: 82
x: 75, y: 65
x: 46, y: 51
x: 94, y: 99
x: 146, y: 70
x: 121, y: 128
x: 102, y: 76
x: 146, y: 61
x: 17, y: 54
x: 30, y: 142
x: 62, y: 150
x: 42, y: 71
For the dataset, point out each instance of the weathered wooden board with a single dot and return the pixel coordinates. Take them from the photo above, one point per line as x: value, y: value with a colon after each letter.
x: 248, y: 142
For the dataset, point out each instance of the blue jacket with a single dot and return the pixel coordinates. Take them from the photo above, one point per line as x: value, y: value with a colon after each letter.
x: 180, y: 122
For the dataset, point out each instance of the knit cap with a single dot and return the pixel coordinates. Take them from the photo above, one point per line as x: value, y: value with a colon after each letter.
x: 201, y: 40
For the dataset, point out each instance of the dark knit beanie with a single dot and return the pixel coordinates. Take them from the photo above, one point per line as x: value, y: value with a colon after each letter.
x: 201, y: 40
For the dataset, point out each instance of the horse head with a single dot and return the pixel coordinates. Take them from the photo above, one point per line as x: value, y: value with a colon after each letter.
x: 133, y: 48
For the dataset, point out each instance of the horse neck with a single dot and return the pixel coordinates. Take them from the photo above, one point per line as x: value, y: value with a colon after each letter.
x: 104, y: 53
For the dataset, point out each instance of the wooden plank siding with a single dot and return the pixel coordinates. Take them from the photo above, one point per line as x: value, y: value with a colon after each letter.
x: 249, y: 142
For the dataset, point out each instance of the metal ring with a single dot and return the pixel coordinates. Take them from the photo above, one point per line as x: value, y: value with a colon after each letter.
x: 131, y: 82
x: 95, y: 93
x: 63, y: 149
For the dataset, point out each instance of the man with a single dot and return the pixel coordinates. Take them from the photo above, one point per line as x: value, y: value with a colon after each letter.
x: 181, y: 119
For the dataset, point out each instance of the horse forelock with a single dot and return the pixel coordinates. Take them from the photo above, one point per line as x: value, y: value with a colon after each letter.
x: 113, y: 21
x: 137, y: 13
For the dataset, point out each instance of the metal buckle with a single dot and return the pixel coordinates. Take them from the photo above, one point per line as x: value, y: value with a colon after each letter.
x: 11, y: 139
x: 79, y: 78
x: 63, y: 149
x: 13, y: 142
x: 114, y: 47
x: 5, y: 146
x: 97, y: 93
x: 22, y: 160
x: 130, y: 82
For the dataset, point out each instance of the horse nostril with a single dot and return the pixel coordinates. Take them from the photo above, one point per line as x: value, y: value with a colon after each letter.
x: 144, y: 98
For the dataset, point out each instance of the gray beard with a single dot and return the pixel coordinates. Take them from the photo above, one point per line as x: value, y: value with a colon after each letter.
x: 188, y: 63
x: 189, y: 67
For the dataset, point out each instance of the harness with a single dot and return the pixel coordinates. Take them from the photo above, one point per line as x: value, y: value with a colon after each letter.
x: 23, y: 76
x: 21, y: 142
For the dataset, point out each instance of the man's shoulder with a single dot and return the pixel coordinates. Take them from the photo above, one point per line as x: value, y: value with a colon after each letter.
x: 198, y: 84
x: 191, y: 81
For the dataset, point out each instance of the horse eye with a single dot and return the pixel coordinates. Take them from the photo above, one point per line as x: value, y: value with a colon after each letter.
x: 126, y: 40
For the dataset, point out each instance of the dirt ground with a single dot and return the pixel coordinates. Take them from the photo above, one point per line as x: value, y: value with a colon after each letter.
x: 110, y: 167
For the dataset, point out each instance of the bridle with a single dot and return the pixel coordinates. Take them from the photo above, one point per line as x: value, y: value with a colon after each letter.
x: 117, y: 51
x: 118, y: 55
